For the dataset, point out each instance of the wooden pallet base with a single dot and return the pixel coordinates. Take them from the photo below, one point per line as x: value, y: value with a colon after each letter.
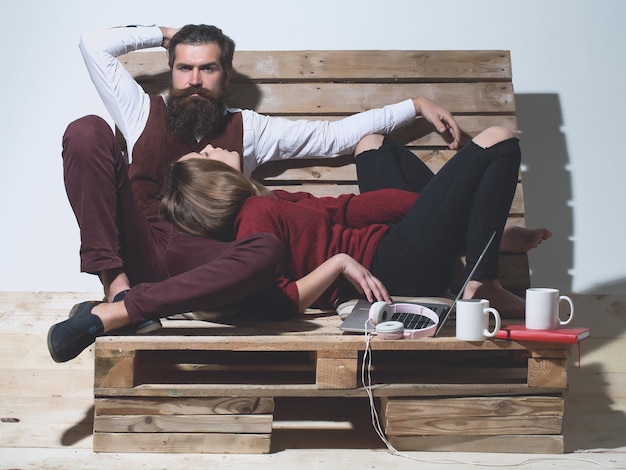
x: 177, y: 393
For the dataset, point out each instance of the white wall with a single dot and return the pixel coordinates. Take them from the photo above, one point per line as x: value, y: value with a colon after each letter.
x: 568, y: 66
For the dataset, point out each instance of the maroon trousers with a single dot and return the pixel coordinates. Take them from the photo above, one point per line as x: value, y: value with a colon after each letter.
x: 169, y: 272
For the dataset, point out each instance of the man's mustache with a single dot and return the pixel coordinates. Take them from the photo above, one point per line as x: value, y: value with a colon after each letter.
x: 199, y: 91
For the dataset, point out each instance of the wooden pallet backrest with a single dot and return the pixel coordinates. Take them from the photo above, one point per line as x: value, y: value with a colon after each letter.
x: 476, y: 86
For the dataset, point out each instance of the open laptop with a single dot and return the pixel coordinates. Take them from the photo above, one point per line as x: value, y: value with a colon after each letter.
x: 356, y: 321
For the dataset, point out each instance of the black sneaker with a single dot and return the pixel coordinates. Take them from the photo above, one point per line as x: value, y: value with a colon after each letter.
x: 69, y: 338
x: 146, y: 326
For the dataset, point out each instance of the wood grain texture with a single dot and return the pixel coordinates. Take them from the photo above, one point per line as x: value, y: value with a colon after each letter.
x: 49, y: 407
x: 349, y: 65
x: 179, y: 443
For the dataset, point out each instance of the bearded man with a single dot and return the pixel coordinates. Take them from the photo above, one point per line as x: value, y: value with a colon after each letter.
x: 147, y: 269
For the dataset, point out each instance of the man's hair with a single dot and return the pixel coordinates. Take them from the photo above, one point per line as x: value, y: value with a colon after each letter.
x: 196, y: 34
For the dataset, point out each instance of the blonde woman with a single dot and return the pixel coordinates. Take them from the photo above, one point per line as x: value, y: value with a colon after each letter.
x: 384, y: 241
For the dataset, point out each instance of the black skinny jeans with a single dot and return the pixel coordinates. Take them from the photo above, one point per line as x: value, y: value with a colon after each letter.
x: 457, y: 211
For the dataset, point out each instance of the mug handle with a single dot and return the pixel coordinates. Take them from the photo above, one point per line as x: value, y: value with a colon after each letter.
x: 571, y: 310
x: 496, y: 327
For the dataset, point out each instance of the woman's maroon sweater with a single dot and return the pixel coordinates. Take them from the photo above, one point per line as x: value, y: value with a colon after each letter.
x: 313, y: 229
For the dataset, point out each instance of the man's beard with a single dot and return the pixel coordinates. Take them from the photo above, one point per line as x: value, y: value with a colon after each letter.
x: 195, y: 117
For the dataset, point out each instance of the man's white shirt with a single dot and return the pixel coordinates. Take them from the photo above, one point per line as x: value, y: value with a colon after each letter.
x: 265, y: 137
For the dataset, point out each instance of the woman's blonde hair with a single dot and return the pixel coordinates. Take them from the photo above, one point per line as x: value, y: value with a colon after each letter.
x: 203, y: 197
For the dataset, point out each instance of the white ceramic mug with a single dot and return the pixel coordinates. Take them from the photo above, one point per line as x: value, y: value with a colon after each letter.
x: 542, y: 308
x: 472, y: 320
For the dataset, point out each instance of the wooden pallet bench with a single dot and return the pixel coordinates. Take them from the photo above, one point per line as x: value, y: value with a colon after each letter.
x: 203, y: 387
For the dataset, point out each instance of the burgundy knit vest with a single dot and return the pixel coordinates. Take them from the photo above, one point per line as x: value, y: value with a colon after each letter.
x: 157, y: 148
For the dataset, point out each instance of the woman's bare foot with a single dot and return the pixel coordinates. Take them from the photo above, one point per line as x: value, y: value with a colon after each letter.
x: 505, y: 302
x: 516, y: 239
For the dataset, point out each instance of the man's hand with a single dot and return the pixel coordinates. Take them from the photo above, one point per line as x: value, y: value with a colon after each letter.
x: 442, y: 119
x: 168, y: 33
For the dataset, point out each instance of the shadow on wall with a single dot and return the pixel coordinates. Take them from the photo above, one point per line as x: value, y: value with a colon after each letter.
x: 547, y: 187
x: 616, y: 287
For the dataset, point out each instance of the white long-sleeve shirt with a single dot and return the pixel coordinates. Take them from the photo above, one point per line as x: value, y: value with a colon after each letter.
x: 265, y: 138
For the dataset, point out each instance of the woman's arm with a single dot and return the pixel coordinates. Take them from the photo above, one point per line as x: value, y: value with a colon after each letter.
x: 311, y: 286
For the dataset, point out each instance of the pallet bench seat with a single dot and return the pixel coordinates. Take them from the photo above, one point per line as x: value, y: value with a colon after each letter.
x: 207, y: 387
x: 202, y: 387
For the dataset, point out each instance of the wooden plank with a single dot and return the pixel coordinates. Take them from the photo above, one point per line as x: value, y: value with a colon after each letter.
x: 64, y: 382
x: 336, y: 342
x: 350, y: 65
x: 44, y: 421
x: 202, y: 423
x: 183, y: 406
x: 311, y: 99
x: 334, y: 374
x: 311, y: 390
x: 475, y: 425
x: 474, y: 416
x: 30, y: 314
x: 345, y: 99
x: 531, y: 405
x: 519, y: 444
x: 396, y: 65
x: 176, y: 443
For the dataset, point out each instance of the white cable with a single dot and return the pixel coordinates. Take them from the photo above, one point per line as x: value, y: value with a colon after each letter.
x: 366, y: 381
x: 367, y: 384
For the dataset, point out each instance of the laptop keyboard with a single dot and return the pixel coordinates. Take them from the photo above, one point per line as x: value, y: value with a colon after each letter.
x: 412, y: 321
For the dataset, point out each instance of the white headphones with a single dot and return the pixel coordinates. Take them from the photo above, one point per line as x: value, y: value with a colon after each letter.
x: 386, y: 329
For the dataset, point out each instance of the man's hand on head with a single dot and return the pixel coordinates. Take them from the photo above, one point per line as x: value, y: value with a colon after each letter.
x: 167, y: 33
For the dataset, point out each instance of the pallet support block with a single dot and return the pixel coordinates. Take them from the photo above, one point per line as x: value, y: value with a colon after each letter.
x: 548, y: 368
x: 336, y: 369
x: 115, y: 368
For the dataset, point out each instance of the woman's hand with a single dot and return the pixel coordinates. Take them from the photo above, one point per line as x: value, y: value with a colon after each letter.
x: 363, y: 280
x: 311, y: 286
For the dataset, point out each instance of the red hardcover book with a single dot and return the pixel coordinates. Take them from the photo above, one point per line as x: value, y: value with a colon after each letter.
x: 559, y: 335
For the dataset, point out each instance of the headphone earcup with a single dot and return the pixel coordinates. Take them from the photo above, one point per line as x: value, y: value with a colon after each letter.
x: 390, y: 330
x: 379, y: 312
